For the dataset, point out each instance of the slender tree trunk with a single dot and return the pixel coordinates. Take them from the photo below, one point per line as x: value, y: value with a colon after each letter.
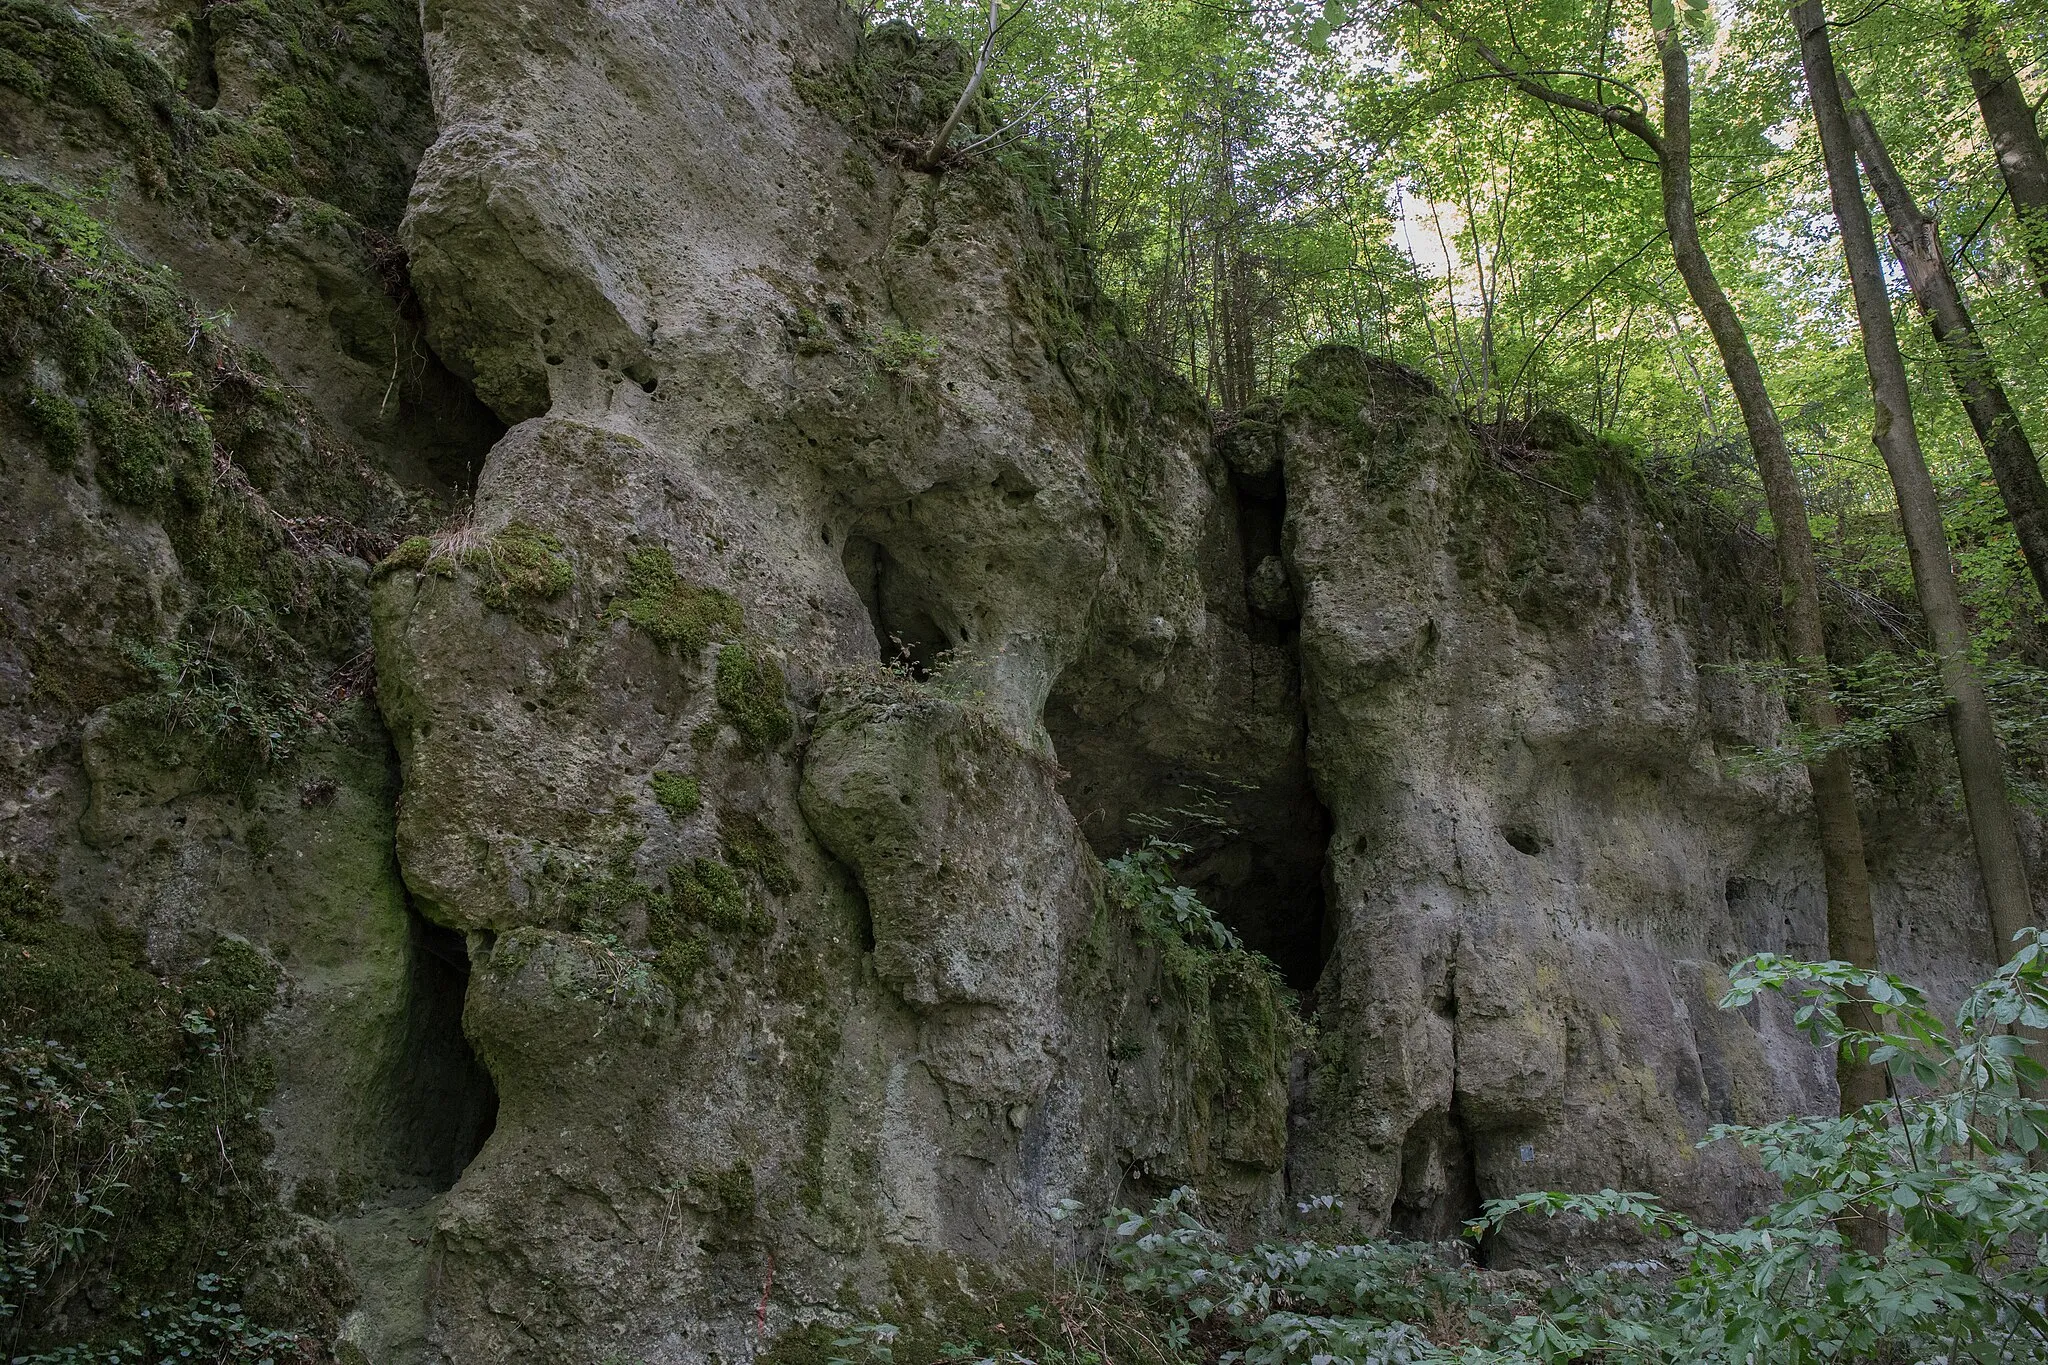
x: 1852, y: 933
x: 1999, y: 858
x: 929, y: 161
x: 1916, y: 239
x: 2015, y: 136
x: 1852, y: 929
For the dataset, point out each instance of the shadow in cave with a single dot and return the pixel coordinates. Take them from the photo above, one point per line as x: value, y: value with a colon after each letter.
x: 442, y: 1102
x: 902, y: 614
x: 1257, y: 854
x: 1439, y: 1192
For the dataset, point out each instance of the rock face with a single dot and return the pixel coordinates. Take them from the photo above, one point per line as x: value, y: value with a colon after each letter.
x: 705, y: 925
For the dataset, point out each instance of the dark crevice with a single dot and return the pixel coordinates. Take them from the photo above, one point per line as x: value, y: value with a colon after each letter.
x: 202, y: 87
x: 1258, y: 854
x: 438, y: 413
x: 443, y: 1103
x: 1439, y: 1190
x: 902, y: 613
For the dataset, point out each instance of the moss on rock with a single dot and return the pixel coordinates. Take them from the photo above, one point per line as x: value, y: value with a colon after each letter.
x: 752, y: 846
x: 519, y: 566
x: 188, y: 429
x: 750, y: 689
x: 677, y: 793
x: 332, y: 101
x: 673, y: 612
x: 709, y: 893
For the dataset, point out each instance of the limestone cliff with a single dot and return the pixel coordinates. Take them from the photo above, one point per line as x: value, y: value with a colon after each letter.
x: 635, y: 649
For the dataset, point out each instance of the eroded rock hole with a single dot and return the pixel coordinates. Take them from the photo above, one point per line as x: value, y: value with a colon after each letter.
x: 903, y: 615
x: 444, y: 1104
x: 1439, y: 1190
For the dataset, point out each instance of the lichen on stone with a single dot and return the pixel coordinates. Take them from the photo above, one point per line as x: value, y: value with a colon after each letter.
x: 672, y: 611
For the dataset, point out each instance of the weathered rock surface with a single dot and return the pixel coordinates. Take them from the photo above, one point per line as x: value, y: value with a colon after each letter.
x: 734, y: 931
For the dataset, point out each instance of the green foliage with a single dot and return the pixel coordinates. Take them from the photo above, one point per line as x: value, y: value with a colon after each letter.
x: 1142, y: 880
x: 1947, y: 1165
x: 1885, y: 694
x: 672, y: 611
x: 1945, y: 1162
x: 1302, y: 1300
x: 519, y: 565
x: 677, y: 793
x: 750, y: 689
x: 131, y: 1150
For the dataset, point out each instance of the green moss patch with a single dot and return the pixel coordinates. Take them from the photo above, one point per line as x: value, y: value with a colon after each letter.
x: 711, y: 894
x: 518, y: 566
x: 750, y: 691
x: 673, y: 612
x: 677, y: 793
x: 752, y: 846
x: 417, y: 554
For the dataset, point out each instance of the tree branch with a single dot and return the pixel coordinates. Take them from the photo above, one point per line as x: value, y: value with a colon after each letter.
x: 1633, y: 121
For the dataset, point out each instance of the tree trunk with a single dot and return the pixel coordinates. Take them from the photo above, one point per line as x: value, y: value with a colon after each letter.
x: 1852, y: 929
x: 1916, y: 240
x: 929, y: 161
x: 1999, y: 858
x: 2015, y: 136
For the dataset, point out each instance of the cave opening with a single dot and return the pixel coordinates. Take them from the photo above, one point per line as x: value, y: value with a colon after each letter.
x: 443, y: 1102
x: 905, y: 621
x: 1439, y: 1189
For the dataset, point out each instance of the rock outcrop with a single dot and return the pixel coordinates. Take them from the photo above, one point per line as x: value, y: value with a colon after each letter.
x: 701, y: 927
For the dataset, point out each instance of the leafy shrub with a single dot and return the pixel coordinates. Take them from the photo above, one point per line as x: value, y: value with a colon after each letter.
x: 1143, y: 881
x: 1946, y: 1168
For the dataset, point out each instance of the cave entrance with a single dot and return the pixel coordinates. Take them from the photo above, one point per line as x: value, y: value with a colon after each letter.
x: 905, y: 621
x: 1262, y: 874
x: 1439, y: 1191
x: 444, y: 1104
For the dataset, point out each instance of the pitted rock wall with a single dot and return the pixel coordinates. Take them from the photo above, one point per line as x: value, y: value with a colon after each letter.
x: 745, y: 751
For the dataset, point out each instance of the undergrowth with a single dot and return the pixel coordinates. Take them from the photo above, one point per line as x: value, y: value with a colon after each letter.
x: 1947, y: 1164
x: 132, y: 1154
